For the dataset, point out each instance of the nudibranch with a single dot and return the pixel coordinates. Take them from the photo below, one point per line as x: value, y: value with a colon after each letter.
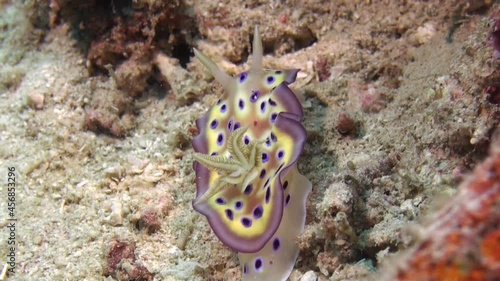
x: 247, y: 182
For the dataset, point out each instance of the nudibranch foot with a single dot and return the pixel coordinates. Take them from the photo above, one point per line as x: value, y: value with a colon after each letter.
x: 278, y: 256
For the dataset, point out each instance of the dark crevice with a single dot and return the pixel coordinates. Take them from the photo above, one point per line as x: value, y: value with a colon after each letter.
x: 183, y: 52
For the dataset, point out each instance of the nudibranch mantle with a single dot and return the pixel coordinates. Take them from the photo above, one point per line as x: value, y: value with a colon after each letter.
x: 247, y: 182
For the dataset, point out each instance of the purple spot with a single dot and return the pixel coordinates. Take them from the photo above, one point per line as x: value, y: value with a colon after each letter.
x: 229, y: 214
x: 218, y: 101
x: 262, y: 173
x: 241, y: 104
x: 276, y: 244
x: 279, y: 169
x: 267, y: 182
x: 220, y: 201
x: 270, y: 79
x: 246, y: 139
x: 236, y: 126
x: 285, y: 185
x: 258, y: 264
x: 248, y: 189
x: 214, y: 124
x: 263, y: 106
x: 273, y: 117
x: 223, y: 108
x: 265, y: 157
x: 257, y: 212
x: 220, y: 139
x: 287, y: 200
x: 230, y: 125
x: 273, y: 137
x: 246, y: 222
x: 272, y: 103
x: 255, y: 96
x: 268, y: 194
x: 281, y: 153
x: 278, y: 72
x: 268, y: 142
x: 214, y: 154
x: 243, y: 77
x: 238, y: 205
x: 245, y: 269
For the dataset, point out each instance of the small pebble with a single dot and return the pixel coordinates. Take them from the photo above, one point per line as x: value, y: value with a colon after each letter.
x: 309, y: 276
x: 37, y: 239
x: 424, y: 33
x: 36, y: 100
x: 149, y: 221
x: 116, y: 216
x: 60, y: 261
x: 295, y: 275
x: 345, y: 124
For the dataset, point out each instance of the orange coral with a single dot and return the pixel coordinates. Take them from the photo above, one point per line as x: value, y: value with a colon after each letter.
x: 462, y: 243
x: 490, y: 250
